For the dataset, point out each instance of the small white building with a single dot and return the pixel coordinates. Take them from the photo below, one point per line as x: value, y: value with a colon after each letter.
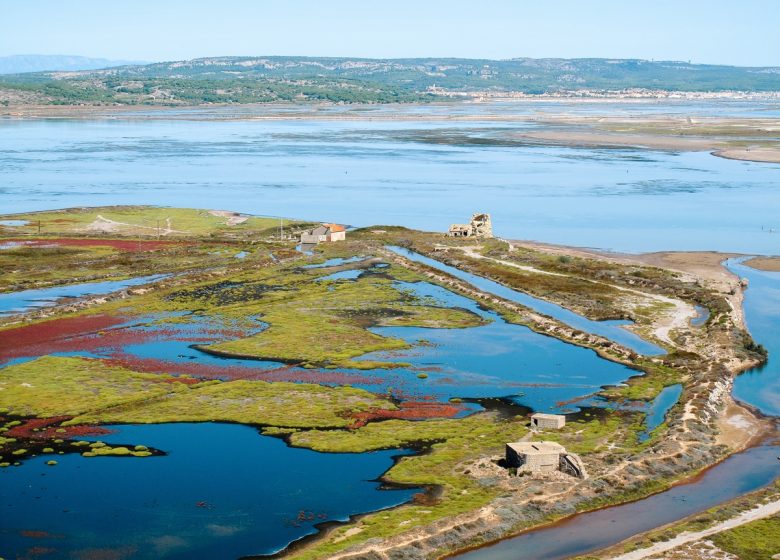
x: 542, y: 421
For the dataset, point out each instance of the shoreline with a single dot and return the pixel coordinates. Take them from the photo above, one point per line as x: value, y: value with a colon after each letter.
x: 750, y: 138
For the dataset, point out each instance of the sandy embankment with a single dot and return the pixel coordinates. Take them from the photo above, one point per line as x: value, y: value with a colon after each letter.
x: 595, y: 139
x: 760, y: 512
x: 770, y: 264
x: 598, y: 139
x: 765, y: 155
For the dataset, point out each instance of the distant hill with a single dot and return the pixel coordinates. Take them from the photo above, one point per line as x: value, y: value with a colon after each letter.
x: 282, y: 78
x: 21, y: 63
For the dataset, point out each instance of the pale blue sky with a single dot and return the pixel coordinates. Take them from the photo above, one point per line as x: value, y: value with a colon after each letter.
x: 744, y: 32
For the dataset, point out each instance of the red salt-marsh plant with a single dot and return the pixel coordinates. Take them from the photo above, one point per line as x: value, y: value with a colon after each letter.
x: 410, y: 410
x: 214, y: 371
x: 50, y: 428
x: 58, y: 335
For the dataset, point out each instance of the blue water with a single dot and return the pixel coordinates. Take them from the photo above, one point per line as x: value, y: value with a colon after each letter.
x: 253, y: 487
x: 761, y: 386
x: 337, y: 261
x: 702, y: 314
x: 342, y: 275
x: 609, y: 329
x: 656, y: 412
x: 497, y: 359
x: 13, y: 223
x: 18, y: 302
x: 366, y: 172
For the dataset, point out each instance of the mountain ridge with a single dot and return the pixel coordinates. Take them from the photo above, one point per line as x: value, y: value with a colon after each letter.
x: 247, y: 79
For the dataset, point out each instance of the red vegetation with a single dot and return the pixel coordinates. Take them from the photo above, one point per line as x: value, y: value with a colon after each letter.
x: 83, y: 430
x: 58, y: 335
x: 49, y: 428
x: 32, y: 534
x: 412, y: 410
x: 126, y: 245
x: 93, y: 333
x: 208, y: 371
x: 39, y: 551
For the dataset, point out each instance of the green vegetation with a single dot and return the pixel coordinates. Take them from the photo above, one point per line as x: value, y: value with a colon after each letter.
x: 55, y: 386
x: 144, y: 221
x: 757, y: 540
x: 345, y: 80
x: 107, y: 451
x: 95, y: 392
x: 313, y: 323
x: 248, y: 402
x: 196, y: 239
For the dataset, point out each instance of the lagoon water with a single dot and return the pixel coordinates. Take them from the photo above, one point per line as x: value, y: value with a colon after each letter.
x: 18, y: 302
x: 761, y: 386
x: 208, y: 498
x: 418, y: 173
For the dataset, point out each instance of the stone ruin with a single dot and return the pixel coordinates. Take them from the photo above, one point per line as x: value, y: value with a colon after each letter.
x: 543, y: 457
x: 480, y: 226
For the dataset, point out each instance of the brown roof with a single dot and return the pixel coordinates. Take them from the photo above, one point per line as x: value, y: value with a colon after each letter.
x: 335, y: 227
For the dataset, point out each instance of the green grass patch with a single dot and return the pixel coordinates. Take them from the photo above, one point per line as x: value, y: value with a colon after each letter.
x: 757, y: 540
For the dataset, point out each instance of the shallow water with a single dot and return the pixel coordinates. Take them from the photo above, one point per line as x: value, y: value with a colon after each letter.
x: 413, y: 173
x: 702, y: 314
x: 251, y: 489
x: 353, y: 274
x: 609, y: 329
x: 336, y: 261
x: 656, y: 412
x: 18, y: 302
x: 761, y: 386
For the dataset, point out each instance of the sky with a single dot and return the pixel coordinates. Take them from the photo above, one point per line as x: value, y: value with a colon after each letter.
x: 743, y: 33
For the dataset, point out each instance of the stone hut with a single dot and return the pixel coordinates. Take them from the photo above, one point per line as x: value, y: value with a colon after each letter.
x: 541, y: 421
x: 480, y: 226
x: 543, y: 457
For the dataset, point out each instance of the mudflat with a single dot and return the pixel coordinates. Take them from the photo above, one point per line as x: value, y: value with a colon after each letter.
x: 770, y: 264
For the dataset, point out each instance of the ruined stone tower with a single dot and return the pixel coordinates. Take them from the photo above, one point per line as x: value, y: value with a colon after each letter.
x: 481, y: 225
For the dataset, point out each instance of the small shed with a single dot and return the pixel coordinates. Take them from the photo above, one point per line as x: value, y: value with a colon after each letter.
x: 542, y: 421
x: 543, y: 457
x: 540, y: 456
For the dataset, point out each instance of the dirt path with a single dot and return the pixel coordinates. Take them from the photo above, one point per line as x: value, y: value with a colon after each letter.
x: 677, y: 317
x: 760, y: 512
x: 103, y: 224
x: 233, y: 218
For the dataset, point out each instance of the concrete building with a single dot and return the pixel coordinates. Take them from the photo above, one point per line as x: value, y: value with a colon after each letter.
x: 541, y: 421
x: 543, y: 457
x: 480, y: 226
x: 325, y: 233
